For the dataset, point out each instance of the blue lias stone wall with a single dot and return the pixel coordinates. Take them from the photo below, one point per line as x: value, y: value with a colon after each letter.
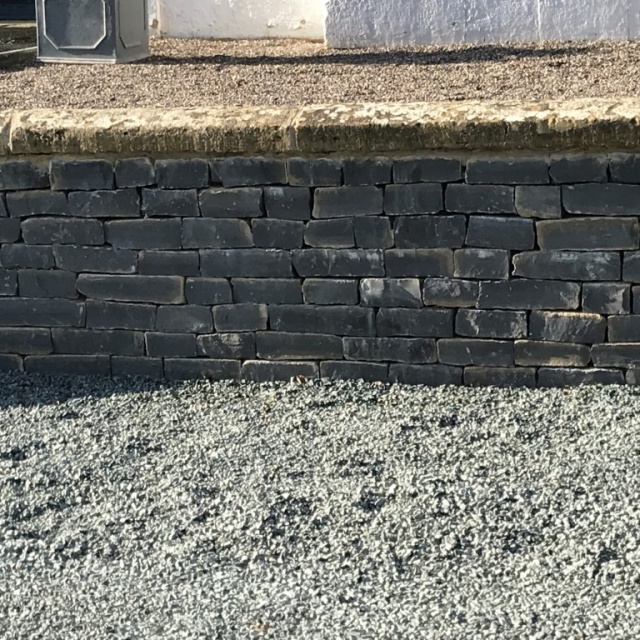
x: 426, y: 270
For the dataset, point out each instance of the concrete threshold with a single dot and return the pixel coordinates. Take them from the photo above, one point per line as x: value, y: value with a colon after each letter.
x: 581, y: 125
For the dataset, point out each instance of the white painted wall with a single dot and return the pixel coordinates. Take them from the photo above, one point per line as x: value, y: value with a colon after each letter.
x: 352, y: 23
x: 242, y: 18
x: 355, y: 23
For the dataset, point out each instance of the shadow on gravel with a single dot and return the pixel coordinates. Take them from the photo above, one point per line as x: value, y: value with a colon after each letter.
x: 18, y: 389
x: 481, y: 53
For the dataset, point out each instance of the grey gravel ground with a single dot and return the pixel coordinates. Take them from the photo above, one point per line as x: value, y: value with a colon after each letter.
x: 337, y: 510
x: 195, y: 73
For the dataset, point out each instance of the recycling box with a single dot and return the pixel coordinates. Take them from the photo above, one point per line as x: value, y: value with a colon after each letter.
x: 91, y: 31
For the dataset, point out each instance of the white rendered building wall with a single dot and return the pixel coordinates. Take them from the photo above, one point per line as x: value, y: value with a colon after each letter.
x: 353, y: 23
x: 242, y: 18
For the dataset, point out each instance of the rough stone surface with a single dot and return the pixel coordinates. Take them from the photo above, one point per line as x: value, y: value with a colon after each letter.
x: 538, y: 202
x: 423, y: 232
x: 334, y: 320
x: 491, y: 324
x: 587, y: 328
x: 567, y: 265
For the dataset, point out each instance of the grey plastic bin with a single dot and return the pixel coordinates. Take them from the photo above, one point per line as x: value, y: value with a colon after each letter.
x: 90, y: 31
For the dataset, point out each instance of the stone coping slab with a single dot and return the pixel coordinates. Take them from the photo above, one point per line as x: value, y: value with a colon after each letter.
x: 584, y: 125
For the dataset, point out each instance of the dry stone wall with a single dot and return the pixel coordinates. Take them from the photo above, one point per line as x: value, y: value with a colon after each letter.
x: 425, y: 269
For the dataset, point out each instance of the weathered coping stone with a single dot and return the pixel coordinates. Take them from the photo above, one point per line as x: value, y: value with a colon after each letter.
x: 585, y: 125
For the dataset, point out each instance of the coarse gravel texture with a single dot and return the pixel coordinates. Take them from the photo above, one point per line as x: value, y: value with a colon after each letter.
x: 197, y: 73
x: 132, y: 509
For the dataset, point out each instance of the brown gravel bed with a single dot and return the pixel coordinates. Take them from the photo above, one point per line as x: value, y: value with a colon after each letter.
x: 195, y: 73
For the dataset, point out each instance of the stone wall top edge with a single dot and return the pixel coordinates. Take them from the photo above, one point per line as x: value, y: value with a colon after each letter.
x: 578, y: 125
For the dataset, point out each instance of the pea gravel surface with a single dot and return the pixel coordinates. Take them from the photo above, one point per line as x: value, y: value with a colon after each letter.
x: 132, y: 509
x: 200, y: 73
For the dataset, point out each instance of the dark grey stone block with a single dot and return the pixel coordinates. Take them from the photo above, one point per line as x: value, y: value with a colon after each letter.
x: 47, y: 284
x: 247, y: 172
x: 336, y: 320
x: 589, y: 234
x: 389, y: 292
x: 208, y: 291
x: 171, y: 345
x: 81, y: 175
x: 89, y: 342
x: 633, y: 377
x: 474, y: 323
x: 179, y: 203
x: 630, y: 268
x: 184, y: 319
x: 244, y: 202
x: 169, y: 263
x: 138, y: 367
x: 209, y: 233
x: 469, y: 198
x: 95, y: 259
x: 228, y: 346
x: 134, y: 172
x: 607, y: 298
x: 246, y: 263
x: 499, y: 377
x: 616, y: 355
x: 315, y: 172
x: 491, y: 232
x: 481, y: 264
x: 507, y: 171
x: 116, y: 315
x: 406, y: 350
x: 182, y: 174
x: 342, y: 202
x: 277, y: 234
x: 447, y: 292
x: 538, y: 202
x: 576, y: 169
x: 266, y: 291
x: 93, y: 365
x: 407, y: 170
x: 333, y: 234
x: 288, y: 203
x: 124, y: 203
x: 26, y: 204
x: 623, y: 329
x: 9, y: 230
x: 3, y: 208
x: 263, y: 371
x: 486, y: 353
x: 25, y: 341
x: 567, y: 265
x: 271, y: 345
x: 367, y: 171
x: 427, y: 263
x: 236, y: 318
x: 11, y: 363
x: 560, y: 377
x: 625, y: 167
x: 415, y: 323
x: 8, y: 283
x: 330, y: 292
x: 201, y: 368
x: 431, y: 375
x: 22, y: 256
x: 529, y: 294
x: 413, y: 199
x: 337, y: 263
x: 20, y: 175
x: 427, y: 232
x: 144, y: 234
x: 556, y: 326
x: 62, y: 231
x: 636, y: 299
x: 373, y: 232
x: 602, y: 199
x: 156, y: 289
x: 367, y: 371
x: 530, y: 353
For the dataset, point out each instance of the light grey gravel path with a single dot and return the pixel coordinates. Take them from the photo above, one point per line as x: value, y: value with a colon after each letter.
x: 337, y: 510
x: 201, y: 73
